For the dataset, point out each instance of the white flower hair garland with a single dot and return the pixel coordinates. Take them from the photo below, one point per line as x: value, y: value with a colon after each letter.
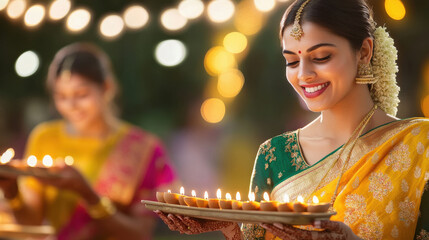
x: 385, y: 91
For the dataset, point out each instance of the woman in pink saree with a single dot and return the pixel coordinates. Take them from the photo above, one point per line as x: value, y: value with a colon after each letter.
x: 115, y: 164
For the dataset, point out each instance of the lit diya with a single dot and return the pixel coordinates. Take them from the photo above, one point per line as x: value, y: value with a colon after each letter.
x: 182, y: 196
x: 267, y: 205
x: 285, y: 206
x: 191, y: 201
x: 299, y: 205
x: 317, y: 207
x: 171, y: 198
x: 203, y: 203
x: 226, y: 203
x: 214, y: 202
x: 251, y: 204
x: 237, y: 204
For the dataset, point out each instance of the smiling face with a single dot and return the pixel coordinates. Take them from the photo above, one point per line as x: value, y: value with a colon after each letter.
x: 79, y: 101
x: 321, y: 66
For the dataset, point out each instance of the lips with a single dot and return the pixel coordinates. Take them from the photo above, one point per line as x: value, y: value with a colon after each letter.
x: 314, y: 90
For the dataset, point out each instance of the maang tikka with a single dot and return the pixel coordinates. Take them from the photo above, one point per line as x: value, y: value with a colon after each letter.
x: 296, y: 28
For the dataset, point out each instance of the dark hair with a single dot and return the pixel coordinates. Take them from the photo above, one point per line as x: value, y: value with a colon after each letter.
x: 351, y: 19
x: 84, y: 59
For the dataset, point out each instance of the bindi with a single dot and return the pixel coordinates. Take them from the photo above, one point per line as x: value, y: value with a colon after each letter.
x: 299, y: 51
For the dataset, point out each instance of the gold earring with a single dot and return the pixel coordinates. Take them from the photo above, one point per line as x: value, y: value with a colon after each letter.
x: 365, y: 74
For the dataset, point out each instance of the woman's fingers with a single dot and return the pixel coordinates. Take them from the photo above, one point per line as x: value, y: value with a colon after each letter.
x: 183, y: 228
x: 332, y: 226
x: 166, y: 220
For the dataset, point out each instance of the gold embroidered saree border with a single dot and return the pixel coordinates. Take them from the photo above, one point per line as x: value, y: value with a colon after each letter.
x: 305, y: 182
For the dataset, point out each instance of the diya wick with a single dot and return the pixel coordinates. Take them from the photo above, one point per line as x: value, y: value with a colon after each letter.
x: 191, y: 201
x: 317, y: 207
x: 237, y: 203
x: 171, y: 198
x: 226, y: 203
x: 299, y: 205
x: 285, y: 206
x: 203, y: 203
x: 214, y: 202
x: 267, y: 205
x: 182, y: 196
x: 251, y: 204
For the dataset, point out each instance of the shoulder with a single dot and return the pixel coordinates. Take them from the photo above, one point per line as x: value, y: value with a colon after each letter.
x: 280, y: 140
x: 135, y: 133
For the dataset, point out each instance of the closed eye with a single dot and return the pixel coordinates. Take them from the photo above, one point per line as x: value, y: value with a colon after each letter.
x: 292, y: 64
x: 322, y: 59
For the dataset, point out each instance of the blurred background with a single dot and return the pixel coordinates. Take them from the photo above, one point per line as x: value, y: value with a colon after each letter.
x: 208, y: 77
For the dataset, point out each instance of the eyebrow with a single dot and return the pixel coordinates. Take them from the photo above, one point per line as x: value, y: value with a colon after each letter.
x: 312, y: 48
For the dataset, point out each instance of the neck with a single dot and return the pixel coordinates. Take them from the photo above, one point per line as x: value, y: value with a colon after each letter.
x: 340, y: 121
x: 99, y: 129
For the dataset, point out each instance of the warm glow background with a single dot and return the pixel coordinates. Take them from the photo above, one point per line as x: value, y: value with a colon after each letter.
x: 206, y: 76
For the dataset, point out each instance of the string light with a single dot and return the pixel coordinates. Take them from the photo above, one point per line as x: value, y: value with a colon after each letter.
x: 172, y: 20
x: 78, y: 20
x: 395, y: 9
x: 3, y: 4
x: 111, y: 26
x: 59, y: 9
x: 27, y: 64
x: 264, y: 5
x: 16, y: 8
x: 213, y: 110
x: 191, y: 9
x: 135, y: 17
x: 220, y: 10
x: 34, y: 15
x: 170, y: 53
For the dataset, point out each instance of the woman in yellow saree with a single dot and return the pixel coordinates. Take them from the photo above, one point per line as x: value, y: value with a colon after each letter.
x: 371, y: 166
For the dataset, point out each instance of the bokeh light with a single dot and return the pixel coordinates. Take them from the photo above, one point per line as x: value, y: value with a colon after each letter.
x: 235, y: 42
x: 395, y: 9
x: 425, y: 106
x: 220, y: 10
x: 3, y: 4
x: 16, y: 8
x: 248, y: 20
x: 191, y: 9
x: 32, y: 161
x: 47, y: 161
x: 264, y: 5
x: 59, y: 9
x: 172, y: 20
x: 213, y: 110
x: 136, y: 17
x: 111, y: 26
x: 78, y: 20
x: 170, y: 52
x: 34, y: 15
x: 68, y: 160
x: 218, y: 60
x: 27, y: 64
x: 230, y: 83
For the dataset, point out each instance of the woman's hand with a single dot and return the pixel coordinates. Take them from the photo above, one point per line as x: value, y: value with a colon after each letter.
x: 332, y: 231
x: 69, y: 178
x: 9, y: 186
x: 190, y: 225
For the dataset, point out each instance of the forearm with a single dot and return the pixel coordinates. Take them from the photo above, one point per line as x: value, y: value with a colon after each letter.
x: 25, y: 205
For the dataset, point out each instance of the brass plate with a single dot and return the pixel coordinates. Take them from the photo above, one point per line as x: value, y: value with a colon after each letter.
x: 245, y: 216
x: 25, y: 231
x: 12, y: 171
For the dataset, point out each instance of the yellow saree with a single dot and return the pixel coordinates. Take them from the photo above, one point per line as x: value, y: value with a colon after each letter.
x: 380, y: 192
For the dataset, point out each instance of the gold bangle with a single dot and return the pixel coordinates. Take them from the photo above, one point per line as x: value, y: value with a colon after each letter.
x: 104, y: 208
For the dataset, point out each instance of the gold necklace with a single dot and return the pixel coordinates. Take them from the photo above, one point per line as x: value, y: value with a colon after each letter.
x: 352, y: 140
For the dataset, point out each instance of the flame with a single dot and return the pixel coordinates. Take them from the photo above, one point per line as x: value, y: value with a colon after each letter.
x: 47, y: 161
x: 32, y: 161
x: 7, y: 156
x: 315, y: 200
x: 251, y: 196
x: 182, y: 190
x: 193, y: 193
x: 169, y: 191
x: 286, y: 198
x: 300, y: 199
x: 238, y: 196
x: 228, y: 196
x: 266, y: 197
x: 218, y: 194
x: 206, y: 195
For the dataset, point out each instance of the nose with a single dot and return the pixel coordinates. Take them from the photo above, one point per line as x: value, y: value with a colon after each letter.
x: 306, y: 71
